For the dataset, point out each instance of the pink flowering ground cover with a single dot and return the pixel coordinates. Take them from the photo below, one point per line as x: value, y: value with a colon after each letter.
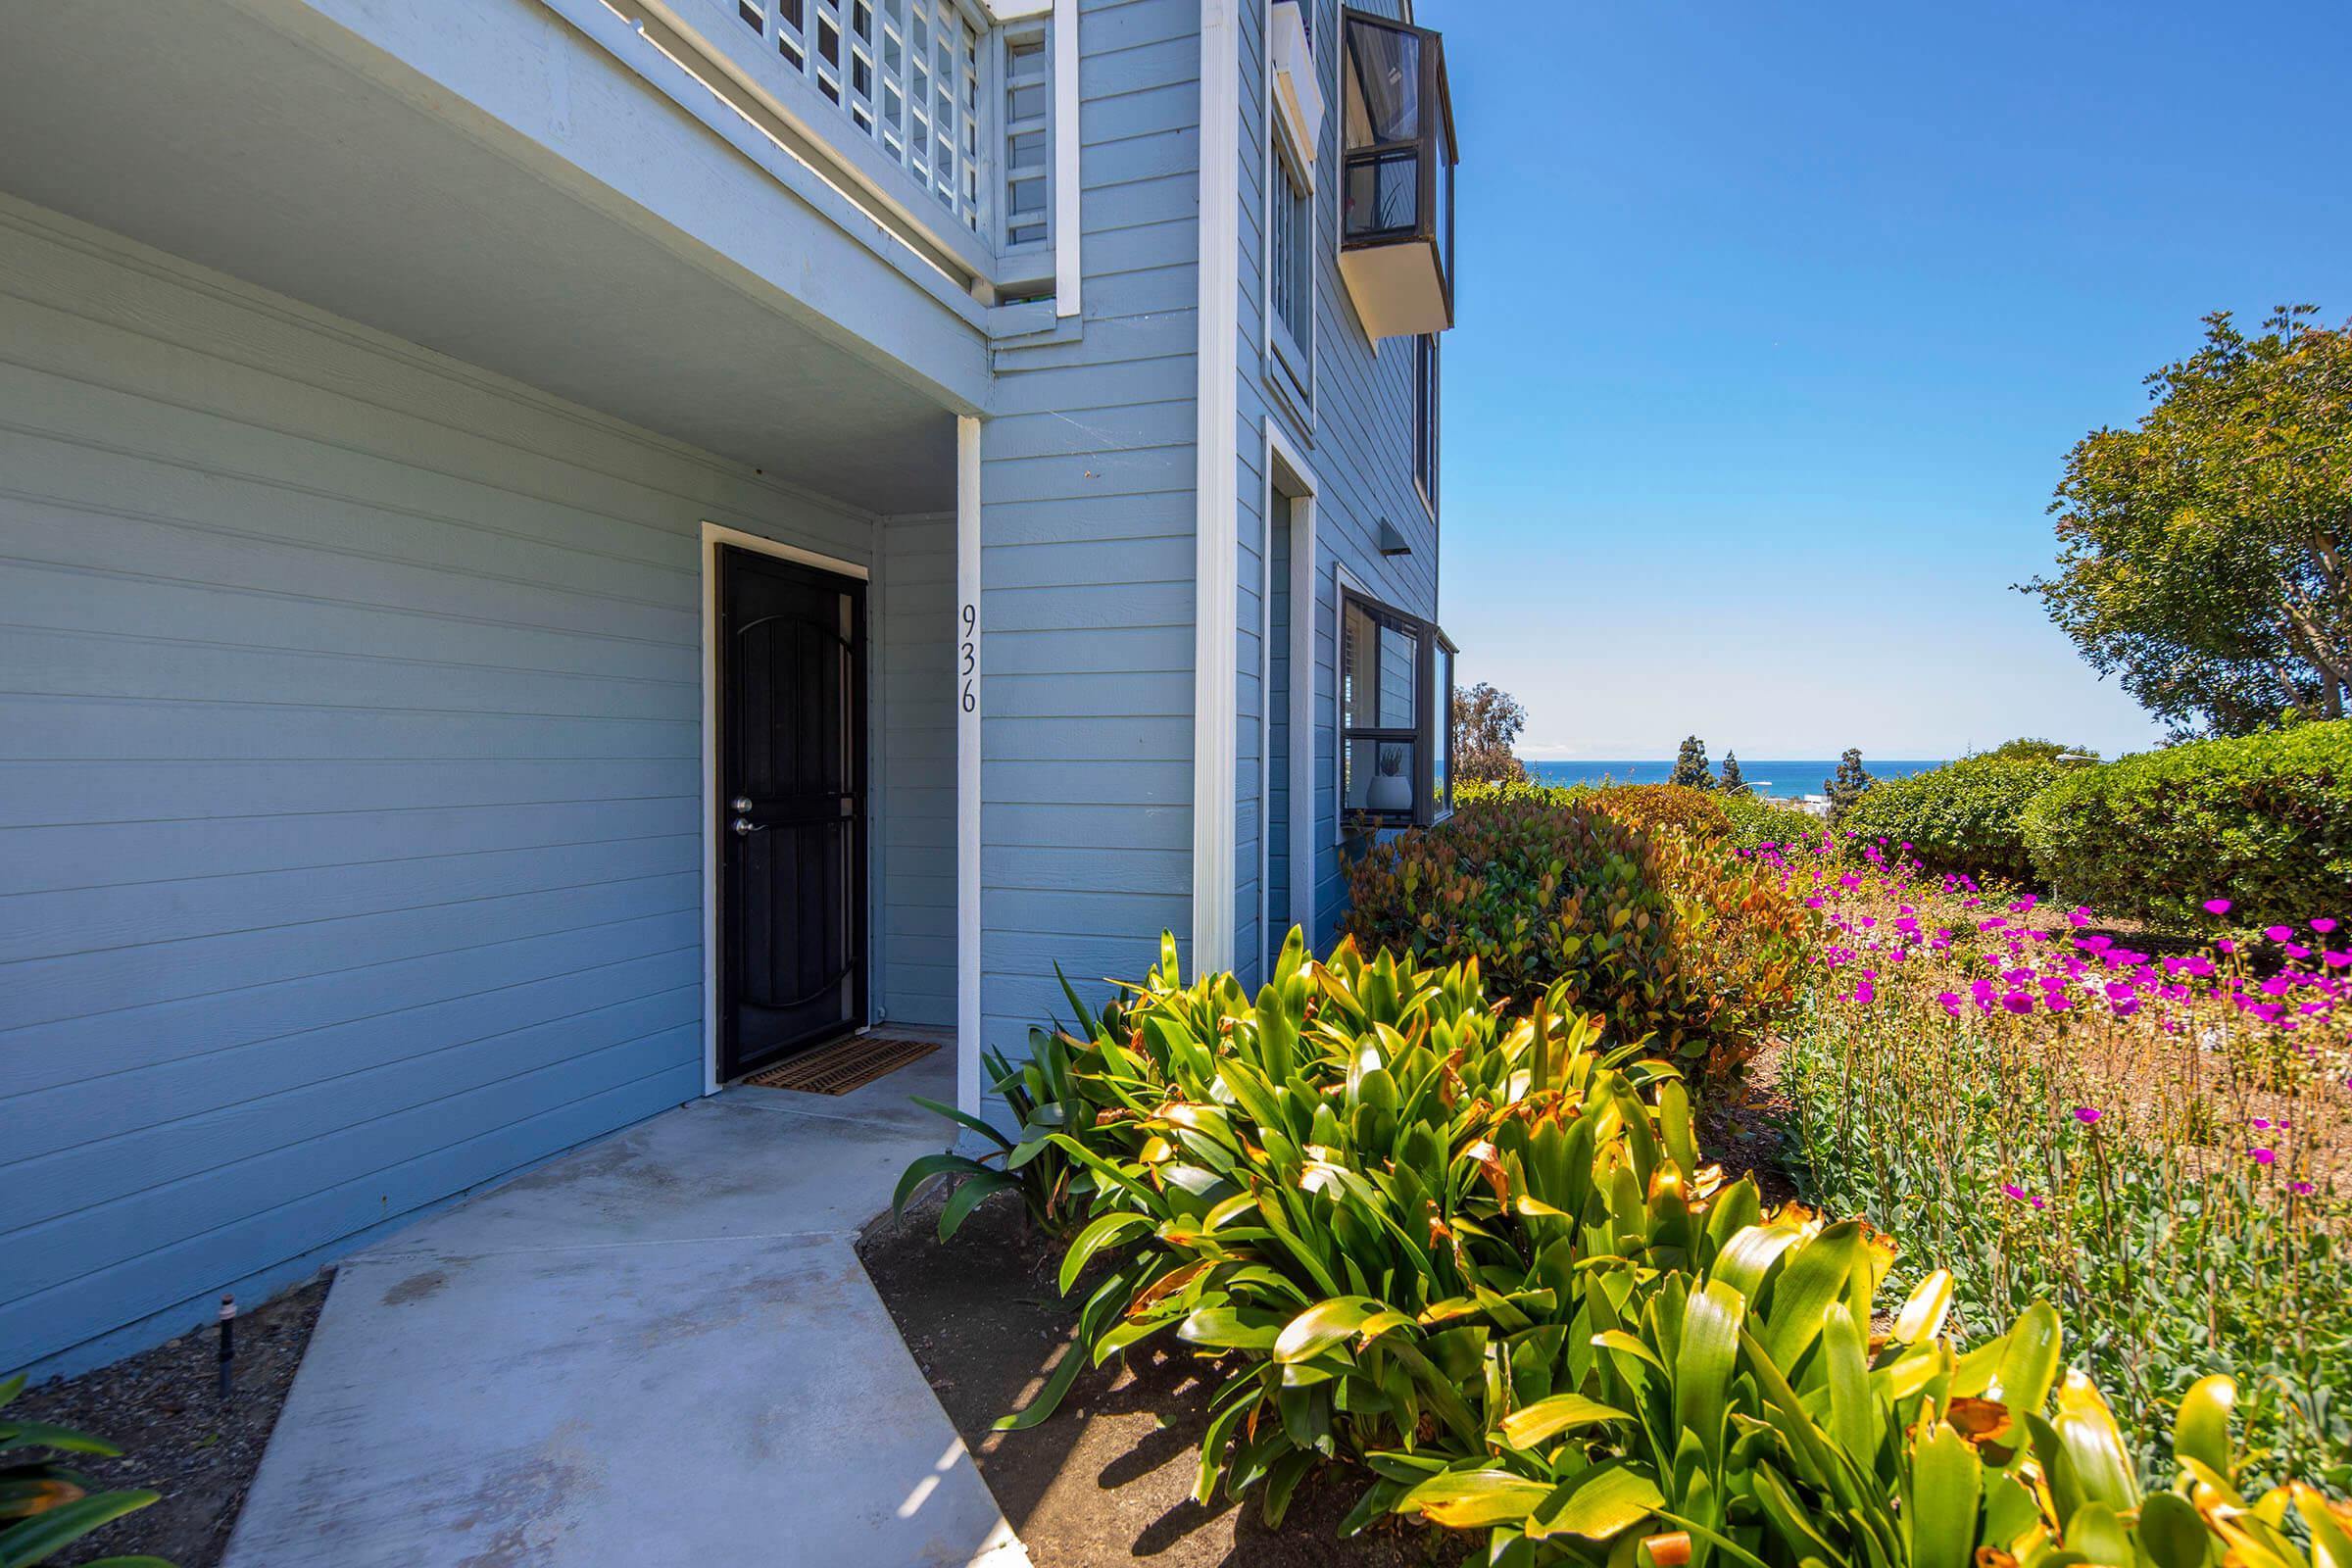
x: 2157, y: 1138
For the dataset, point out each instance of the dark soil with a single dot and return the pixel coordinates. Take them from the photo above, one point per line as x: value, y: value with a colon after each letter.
x: 1744, y: 1128
x: 178, y: 1438
x: 1109, y: 1476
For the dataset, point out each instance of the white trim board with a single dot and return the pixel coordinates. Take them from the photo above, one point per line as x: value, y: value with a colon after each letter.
x: 1301, y: 719
x: 1217, y: 519
x: 968, y: 766
x: 714, y: 535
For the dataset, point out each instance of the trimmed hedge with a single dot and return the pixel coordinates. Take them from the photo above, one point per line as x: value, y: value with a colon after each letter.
x: 1672, y: 806
x: 1965, y: 817
x: 2265, y: 821
x: 1667, y: 935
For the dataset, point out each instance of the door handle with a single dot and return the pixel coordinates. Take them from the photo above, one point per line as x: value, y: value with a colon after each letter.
x: 740, y: 804
x: 744, y: 827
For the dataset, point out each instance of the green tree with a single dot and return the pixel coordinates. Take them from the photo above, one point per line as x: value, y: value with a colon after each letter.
x: 1847, y: 786
x: 2205, y: 554
x: 1733, y: 780
x: 1485, y: 722
x: 1691, y: 767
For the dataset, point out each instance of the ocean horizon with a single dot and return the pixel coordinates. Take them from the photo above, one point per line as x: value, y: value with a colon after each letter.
x: 1780, y: 777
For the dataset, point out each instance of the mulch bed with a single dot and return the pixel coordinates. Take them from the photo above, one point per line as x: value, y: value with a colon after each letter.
x: 1110, y: 1477
x: 178, y: 1438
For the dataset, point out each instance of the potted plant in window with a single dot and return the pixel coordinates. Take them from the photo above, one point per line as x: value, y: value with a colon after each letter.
x: 1390, y: 790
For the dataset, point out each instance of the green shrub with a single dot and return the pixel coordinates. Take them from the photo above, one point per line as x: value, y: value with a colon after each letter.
x: 1756, y: 823
x: 1482, y: 791
x: 1478, y: 1256
x: 1673, y: 940
x: 1966, y: 817
x: 46, y: 1506
x: 1672, y: 806
x: 2265, y: 819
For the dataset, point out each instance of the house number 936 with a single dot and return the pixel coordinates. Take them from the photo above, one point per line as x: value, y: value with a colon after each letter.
x: 967, y: 662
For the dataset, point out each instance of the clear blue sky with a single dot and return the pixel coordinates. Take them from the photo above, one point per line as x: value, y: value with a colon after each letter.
x: 1776, y: 321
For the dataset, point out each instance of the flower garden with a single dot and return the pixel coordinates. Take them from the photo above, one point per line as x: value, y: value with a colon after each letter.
x: 2064, y: 1283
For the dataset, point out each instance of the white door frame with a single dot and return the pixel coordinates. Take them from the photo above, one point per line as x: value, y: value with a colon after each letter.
x: 1281, y: 451
x: 714, y: 535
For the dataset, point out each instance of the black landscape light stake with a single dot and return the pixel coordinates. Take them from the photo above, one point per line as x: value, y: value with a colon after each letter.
x: 229, y: 1342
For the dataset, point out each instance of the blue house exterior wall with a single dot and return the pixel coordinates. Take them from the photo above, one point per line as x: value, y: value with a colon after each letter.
x: 349, y: 778
x: 1088, y: 535
x: 351, y: 715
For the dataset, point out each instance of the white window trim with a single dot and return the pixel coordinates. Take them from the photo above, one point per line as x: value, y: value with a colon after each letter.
x: 1285, y: 358
x: 713, y: 536
x: 1062, y: 57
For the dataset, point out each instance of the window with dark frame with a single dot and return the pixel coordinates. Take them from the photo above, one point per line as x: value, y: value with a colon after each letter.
x: 1424, y: 417
x: 1395, y: 702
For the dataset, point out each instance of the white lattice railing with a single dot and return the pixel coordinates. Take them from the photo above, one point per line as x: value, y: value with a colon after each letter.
x: 934, y: 114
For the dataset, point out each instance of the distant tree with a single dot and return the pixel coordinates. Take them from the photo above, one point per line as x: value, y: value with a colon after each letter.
x: 1847, y: 786
x: 1691, y: 767
x: 2205, y: 554
x: 1485, y: 722
x: 1731, y: 781
x: 2045, y: 750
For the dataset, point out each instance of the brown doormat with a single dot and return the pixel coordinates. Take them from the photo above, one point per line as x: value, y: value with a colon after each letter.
x: 838, y: 1068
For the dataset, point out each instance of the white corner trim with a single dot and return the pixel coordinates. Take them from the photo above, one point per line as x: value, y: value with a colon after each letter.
x: 1217, y: 519
x: 714, y: 535
x: 967, y: 765
x: 1017, y: 10
x: 1066, y: 270
x: 1301, y: 705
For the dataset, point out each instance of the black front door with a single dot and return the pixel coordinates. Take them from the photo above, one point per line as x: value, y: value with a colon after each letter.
x: 791, y: 807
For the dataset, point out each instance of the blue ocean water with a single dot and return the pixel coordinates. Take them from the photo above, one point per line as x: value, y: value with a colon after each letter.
x: 1783, y: 778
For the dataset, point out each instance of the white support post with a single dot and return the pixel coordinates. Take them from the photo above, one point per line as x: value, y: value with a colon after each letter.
x: 1217, y: 518
x: 967, y: 765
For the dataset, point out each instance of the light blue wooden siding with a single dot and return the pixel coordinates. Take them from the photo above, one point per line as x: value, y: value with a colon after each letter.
x: 1088, y: 489
x: 914, y: 808
x: 1359, y: 439
x: 349, y: 780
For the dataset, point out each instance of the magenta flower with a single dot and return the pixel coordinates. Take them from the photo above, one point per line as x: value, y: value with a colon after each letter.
x: 2265, y: 1156
x: 2017, y: 1194
x: 2322, y: 927
x: 2276, y: 933
x: 2301, y: 1189
x: 2086, y: 1114
x: 2217, y: 906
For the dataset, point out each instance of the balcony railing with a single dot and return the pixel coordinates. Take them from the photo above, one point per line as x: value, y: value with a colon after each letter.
x: 930, y: 113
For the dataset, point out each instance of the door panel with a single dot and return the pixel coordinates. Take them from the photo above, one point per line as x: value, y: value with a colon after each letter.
x: 791, y: 807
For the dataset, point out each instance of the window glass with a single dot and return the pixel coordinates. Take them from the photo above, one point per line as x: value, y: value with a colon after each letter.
x: 1384, y: 83
x: 1383, y: 194
x: 1399, y: 659
x: 1441, y: 790
x: 1424, y: 415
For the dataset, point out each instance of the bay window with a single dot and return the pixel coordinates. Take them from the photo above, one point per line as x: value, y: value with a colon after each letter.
x: 1396, y: 702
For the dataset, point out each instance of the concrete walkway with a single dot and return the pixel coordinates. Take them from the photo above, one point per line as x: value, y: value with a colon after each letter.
x: 657, y: 1350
